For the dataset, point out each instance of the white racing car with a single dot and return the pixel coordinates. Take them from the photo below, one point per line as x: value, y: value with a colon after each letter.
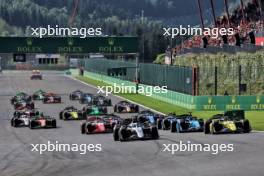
x: 131, y: 130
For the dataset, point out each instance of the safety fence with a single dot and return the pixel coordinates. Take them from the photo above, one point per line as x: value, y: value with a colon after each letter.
x: 198, y: 103
x: 176, y: 78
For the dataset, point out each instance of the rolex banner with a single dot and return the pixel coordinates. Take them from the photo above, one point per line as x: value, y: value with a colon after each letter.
x: 213, y: 103
x: 69, y: 45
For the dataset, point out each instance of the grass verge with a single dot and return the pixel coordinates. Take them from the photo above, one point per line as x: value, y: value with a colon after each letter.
x: 256, y: 117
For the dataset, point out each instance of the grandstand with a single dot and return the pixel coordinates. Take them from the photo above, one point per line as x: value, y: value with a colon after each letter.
x: 247, y: 22
x: 228, y: 65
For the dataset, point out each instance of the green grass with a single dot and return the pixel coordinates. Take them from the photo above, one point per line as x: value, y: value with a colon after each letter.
x: 256, y: 117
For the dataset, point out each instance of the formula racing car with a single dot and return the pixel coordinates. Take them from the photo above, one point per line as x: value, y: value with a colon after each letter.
x: 94, y: 110
x: 86, y: 98
x: 21, y: 118
x: 126, y: 107
x: 100, y: 124
x: 42, y: 122
x: 19, y: 97
x: 134, y: 130
x: 38, y: 95
x: 101, y: 101
x: 149, y: 116
x: 187, y: 123
x: 76, y: 95
x: 165, y: 123
x: 71, y: 113
x: 36, y: 75
x: 230, y: 122
x: 51, y: 98
x: 21, y: 104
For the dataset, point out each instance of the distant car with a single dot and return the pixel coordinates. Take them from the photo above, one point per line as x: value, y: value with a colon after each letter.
x: 71, y: 113
x: 101, y: 101
x: 187, y: 123
x: 21, y: 118
x: 42, y: 122
x: 99, y: 124
x: 230, y: 122
x: 149, y: 116
x: 86, y: 98
x: 51, y: 98
x: 21, y: 105
x: 131, y: 130
x: 38, y: 95
x: 36, y: 75
x: 20, y: 96
x: 126, y: 107
x: 76, y: 95
x: 94, y: 110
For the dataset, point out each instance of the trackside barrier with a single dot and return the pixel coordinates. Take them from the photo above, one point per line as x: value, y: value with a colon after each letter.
x: 198, y: 103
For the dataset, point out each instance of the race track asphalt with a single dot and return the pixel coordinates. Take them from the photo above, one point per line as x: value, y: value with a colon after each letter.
x: 142, y: 158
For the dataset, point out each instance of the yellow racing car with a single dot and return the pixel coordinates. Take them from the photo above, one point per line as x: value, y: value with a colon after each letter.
x: 230, y: 122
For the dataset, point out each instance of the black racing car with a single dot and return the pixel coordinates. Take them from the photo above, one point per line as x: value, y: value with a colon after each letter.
x: 149, y: 116
x: 86, y: 98
x: 71, y: 113
x: 126, y: 107
x: 101, y: 101
x: 20, y: 96
x: 51, y: 98
x: 76, y: 95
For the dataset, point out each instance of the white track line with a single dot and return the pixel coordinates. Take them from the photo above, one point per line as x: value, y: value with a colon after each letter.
x: 131, y: 100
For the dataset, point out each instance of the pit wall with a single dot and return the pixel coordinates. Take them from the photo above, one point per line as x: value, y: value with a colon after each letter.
x: 198, y: 103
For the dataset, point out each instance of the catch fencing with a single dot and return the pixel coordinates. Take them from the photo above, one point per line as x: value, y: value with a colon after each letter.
x: 176, y: 78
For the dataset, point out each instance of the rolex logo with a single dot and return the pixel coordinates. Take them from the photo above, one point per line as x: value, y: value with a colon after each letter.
x: 233, y: 99
x: 29, y: 41
x: 258, y: 99
x: 111, y: 41
x: 210, y: 100
x: 70, y: 42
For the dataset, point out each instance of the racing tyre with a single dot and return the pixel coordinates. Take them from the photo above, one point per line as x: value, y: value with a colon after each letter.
x: 83, y: 128
x: 207, y: 127
x: 61, y: 115
x: 115, y: 109
x: 115, y: 134
x: 12, y: 122
x: 137, y: 109
x: 173, y: 127
x: 54, y: 124
x: 246, y: 127
x: 31, y: 125
x: 159, y: 124
x: 154, y: 133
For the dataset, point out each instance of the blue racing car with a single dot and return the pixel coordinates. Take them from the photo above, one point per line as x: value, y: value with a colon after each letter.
x: 149, y: 116
x: 187, y: 123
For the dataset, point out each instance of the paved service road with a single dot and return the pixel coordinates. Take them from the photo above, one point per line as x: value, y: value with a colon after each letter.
x: 143, y: 158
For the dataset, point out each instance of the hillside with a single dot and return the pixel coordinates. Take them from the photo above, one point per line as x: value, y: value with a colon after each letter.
x: 115, y: 17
